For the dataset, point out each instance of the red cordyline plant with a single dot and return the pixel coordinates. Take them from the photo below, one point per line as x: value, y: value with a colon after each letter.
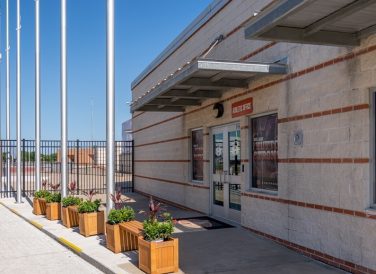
x: 55, y: 186
x: 72, y: 187
x: 44, y: 183
x: 154, y: 208
x: 90, y: 194
x: 117, y: 199
x: 157, y: 210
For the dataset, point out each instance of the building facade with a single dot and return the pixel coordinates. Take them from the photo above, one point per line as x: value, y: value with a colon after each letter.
x: 290, y: 155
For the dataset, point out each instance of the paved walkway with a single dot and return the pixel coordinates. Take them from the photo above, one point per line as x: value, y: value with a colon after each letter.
x: 228, y: 250
x: 24, y: 249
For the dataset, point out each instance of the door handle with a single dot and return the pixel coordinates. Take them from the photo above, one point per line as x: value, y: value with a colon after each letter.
x: 225, y: 174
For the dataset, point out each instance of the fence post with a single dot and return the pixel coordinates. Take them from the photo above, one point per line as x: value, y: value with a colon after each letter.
x: 77, y: 165
x: 23, y: 154
x: 132, y: 163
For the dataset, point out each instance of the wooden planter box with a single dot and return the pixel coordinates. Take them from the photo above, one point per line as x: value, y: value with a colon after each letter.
x: 124, y: 236
x: 91, y: 223
x: 69, y: 216
x: 158, y: 257
x: 53, y: 211
x: 42, y: 206
x: 36, y: 207
x: 114, y: 238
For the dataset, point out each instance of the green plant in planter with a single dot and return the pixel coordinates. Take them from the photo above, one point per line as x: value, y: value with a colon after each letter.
x: 71, y: 201
x: 53, y: 198
x: 117, y: 216
x: 41, y: 194
x: 89, y: 206
x: 155, y: 230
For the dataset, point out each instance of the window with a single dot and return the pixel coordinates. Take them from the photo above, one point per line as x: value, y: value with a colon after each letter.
x: 264, y: 138
x: 197, y: 155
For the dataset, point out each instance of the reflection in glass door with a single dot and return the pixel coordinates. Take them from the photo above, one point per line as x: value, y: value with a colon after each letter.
x: 226, y: 184
x: 234, y: 168
x: 218, y: 168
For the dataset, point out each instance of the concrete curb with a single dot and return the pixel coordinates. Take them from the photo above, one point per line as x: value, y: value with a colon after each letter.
x: 67, y: 244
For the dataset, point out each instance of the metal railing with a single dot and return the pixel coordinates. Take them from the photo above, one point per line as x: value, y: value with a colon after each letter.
x: 86, y: 166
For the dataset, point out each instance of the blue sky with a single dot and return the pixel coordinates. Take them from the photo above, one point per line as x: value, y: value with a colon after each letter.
x: 143, y: 29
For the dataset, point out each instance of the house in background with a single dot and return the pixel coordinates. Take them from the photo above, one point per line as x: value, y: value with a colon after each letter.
x: 262, y: 113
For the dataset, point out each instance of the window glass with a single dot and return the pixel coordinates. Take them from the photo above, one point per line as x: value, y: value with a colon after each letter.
x: 197, y: 155
x: 265, y: 152
x: 218, y: 153
x: 234, y: 152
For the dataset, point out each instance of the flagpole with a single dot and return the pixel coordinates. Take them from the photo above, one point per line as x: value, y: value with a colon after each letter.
x: 37, y: 96
x: 110, y: 96
x: 7, y: 80
x: 18, y: 100
x: 63, y: 99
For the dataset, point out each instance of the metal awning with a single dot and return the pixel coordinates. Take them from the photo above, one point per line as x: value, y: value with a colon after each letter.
x: 325, y: 22
x: 200, y: 80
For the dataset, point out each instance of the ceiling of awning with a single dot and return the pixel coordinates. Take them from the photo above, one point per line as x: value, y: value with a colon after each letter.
x: 200, y: 80
x: 325, y: 22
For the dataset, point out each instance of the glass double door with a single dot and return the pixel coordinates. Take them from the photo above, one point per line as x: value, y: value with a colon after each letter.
x: 226, y: 170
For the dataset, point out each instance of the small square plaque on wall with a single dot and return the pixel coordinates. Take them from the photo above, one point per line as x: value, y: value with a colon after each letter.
x: 242, y: 107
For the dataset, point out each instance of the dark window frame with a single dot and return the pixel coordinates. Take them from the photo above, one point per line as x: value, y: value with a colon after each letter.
x: 252, y: 187
x: 192, y: 157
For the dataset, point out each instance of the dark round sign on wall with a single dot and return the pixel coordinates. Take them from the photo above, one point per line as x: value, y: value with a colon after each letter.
x: 219, y: 108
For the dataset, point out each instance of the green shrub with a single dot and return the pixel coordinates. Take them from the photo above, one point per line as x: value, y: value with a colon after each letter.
x: 89, y: 206
x: 71, y: 201
x: 117, y: 216
x: 154, y: 230
x: 41, y: 194
x: 54, y: 198
x: 165, y: 229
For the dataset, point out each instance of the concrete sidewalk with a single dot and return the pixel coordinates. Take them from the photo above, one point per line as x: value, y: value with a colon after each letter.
x: 25, y: 250
x: 227, y: 250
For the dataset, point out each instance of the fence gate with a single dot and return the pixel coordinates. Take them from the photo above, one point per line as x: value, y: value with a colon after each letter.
x: 86, y: 166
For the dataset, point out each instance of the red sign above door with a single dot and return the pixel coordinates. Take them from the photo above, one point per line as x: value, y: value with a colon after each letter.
x: 242, y: 107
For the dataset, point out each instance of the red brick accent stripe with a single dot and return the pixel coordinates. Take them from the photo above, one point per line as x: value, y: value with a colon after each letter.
x: 134, y: 116
x: 324, y: 160
x: 288, y: 77
x: 164, y: 141
x: 361, y: 214
x: 162, y: 161
x: 172, y: 182
x: 257, y: 51
x: 317, y: 255
x: 323, y: 113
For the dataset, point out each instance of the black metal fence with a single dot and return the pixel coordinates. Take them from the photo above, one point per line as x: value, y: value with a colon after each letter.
x: 86, y: 166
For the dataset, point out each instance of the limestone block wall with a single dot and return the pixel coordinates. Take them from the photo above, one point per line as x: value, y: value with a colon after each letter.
x: 322, y: 206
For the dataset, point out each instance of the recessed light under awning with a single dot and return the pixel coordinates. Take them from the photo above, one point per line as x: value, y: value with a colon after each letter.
x: 334, y: 22
x: 201, y: 80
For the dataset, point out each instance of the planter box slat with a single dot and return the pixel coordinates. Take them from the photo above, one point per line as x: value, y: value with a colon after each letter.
x: 36, y: 207
x: 69, y: 216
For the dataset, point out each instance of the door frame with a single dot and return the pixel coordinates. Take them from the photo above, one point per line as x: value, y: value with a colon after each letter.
x: 210, y: 144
